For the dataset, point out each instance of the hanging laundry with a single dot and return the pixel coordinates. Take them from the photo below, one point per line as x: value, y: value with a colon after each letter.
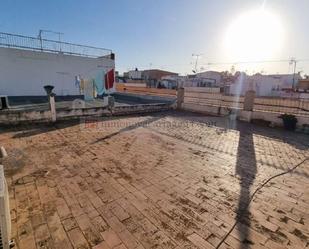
x: 94, y: 89
x: 109, y: 79
x: 77, y: 81
x: 106, y: 81
x: 99, y: 82
x: 88, y: 89
x: 82, y: 86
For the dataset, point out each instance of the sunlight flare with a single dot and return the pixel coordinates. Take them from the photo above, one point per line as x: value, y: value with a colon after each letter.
x: 254, y: 35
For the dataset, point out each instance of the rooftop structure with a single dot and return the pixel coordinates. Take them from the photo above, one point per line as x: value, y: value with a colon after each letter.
x: 29, y: 63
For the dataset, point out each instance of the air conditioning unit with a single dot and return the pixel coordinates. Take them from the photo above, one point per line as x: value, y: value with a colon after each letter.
x: 5, y: 217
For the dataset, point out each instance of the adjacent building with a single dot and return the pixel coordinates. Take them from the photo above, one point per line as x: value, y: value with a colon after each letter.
x: 210, y: 79
x: 240, y: 82
x: 303, y: 85
x: 264, y: 85
x: 235, y: 84
x: 152, y: 77
x: 29, y: 63
x: 135, y: 74
x: 173, y: 81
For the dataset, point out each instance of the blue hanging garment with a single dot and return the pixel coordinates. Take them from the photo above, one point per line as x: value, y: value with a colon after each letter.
x: 77, y: 81
x: 99, y: 82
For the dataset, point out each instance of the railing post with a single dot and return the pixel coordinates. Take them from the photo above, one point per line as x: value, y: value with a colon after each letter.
x: 249, y: 100
x: 246, y: 114
x: 180, y: 97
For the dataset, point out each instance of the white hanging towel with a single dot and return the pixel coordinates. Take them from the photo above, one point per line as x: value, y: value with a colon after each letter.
x: 88, y: 90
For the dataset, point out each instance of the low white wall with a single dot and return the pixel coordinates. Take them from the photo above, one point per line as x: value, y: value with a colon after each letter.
x: 273, y: 118
x: 202, y: 101
x: 212, y: 110
x: 283, y: 105
x: 243, y: 115
x: 206, y: 96
x: 203, y: 89
x: 25, y: 72
x: 10, y: 117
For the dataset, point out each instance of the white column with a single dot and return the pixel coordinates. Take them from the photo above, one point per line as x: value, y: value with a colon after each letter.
x: 52, y: 106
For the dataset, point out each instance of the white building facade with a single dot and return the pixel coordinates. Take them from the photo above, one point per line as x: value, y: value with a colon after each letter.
x: 204, y: 79
x: 264, y: 85
x: 24, y: 72
x: 135, y: 74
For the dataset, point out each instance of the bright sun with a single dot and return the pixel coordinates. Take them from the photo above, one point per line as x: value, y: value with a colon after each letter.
x: 254, y: 35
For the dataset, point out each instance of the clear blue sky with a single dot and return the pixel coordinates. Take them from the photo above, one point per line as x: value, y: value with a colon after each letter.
x: 164, y: 33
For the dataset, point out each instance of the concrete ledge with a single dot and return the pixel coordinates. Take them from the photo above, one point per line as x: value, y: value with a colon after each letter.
x: 275, y: 121
x: 245, y: 116
x: 144, y: 99
x: 29, y: 116
x: 212, y: 110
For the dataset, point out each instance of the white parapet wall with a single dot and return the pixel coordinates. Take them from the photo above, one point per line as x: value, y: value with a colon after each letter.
x: 14, y: 117
x: 25, y: 72
x: 209, y: 101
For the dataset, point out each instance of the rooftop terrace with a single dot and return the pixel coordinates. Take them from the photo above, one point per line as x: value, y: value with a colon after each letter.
x: 166, y: 180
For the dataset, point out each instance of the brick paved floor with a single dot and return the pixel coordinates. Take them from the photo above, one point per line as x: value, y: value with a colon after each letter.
x: 158, y: 181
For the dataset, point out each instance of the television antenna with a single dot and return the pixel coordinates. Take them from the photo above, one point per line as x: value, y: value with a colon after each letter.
x: 197, y: 56
x: 293, y: 61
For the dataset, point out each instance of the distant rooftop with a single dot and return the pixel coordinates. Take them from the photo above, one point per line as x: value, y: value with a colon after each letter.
x: 44, y: 45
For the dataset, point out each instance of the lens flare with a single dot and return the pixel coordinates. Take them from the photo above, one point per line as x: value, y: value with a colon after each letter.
x: 254, y: 35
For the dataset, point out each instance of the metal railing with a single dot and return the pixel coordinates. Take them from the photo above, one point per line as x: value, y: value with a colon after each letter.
x: 213, y: 99
x: 37, y: 44
x: 282, y: 105
x: 295, y: 106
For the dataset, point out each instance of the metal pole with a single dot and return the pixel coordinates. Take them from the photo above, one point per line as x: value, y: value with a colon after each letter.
x: 40, y: 37
x: 197, y: 57
x: 293, y: 61
x: 294, y: 74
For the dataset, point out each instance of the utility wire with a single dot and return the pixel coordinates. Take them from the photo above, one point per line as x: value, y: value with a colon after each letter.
x: 222, y: 63
x: 257, y: 189
x: 246, y: 62
x: 249, y: 62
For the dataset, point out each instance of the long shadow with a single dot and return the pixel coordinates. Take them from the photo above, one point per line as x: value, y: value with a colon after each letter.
x: 246, y: 169
x: 129, y: 128
x: 36, y: 129
x: 28, y: 129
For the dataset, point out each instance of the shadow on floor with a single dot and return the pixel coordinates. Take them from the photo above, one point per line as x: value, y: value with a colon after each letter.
x: 246, y: 169
x: 129, y: 128
x: 28, y: 130
x: 296, y: 139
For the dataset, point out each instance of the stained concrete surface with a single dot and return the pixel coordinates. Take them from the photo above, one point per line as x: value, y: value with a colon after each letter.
x: 173, y: 180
